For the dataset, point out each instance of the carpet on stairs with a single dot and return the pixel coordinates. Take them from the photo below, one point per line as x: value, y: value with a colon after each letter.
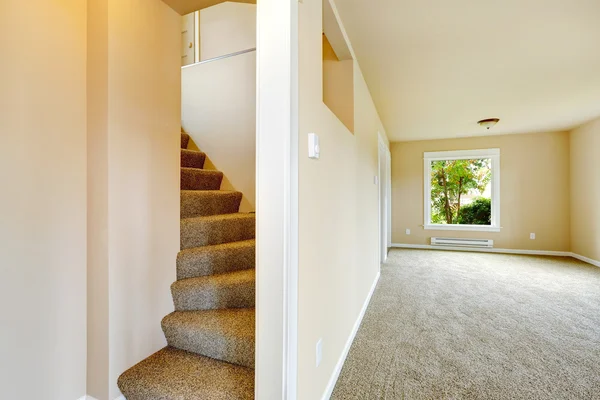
x: 211, y: 333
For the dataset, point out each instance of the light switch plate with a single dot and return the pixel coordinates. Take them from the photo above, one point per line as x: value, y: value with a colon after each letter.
x: 314, y: 150
x: 319, y: 352
x: 408, y: 231
x: 532, y: 236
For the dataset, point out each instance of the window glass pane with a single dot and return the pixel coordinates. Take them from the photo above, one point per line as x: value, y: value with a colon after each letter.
x: 461, y: 192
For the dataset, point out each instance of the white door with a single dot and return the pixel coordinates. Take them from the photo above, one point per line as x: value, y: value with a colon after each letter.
x: 388, y: 197
x: 188, y: 39
x: 384, y: 198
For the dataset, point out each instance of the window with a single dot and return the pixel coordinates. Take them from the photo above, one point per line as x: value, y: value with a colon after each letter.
x: 462, y: 190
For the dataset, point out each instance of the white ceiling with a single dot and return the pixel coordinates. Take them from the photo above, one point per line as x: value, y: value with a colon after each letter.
x: 436, y: 67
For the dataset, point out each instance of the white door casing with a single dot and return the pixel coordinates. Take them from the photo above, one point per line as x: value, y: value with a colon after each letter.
x: 384, y: 198
x: 277, y: 200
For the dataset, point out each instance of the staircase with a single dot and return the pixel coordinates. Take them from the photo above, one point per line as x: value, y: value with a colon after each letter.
x: 210, y: 335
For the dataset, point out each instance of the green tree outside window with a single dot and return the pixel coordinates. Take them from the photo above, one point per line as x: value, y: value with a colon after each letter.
x: 451, y: 182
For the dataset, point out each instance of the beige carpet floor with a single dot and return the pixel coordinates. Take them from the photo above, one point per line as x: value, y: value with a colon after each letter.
x: 457, y: 325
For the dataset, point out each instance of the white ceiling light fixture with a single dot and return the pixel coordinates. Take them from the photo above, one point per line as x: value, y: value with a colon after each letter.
x: 488, y: 122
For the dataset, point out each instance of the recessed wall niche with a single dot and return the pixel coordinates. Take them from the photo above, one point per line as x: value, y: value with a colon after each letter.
x: 338, y: 70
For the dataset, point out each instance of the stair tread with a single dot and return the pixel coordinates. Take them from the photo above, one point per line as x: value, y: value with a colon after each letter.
x: 216, y: 229
x: 189, y: 151
x: 201, y: 171
x: 229, y: 290
x: 208, y: 192
x: 176, y: 374
x: 228, y: 334
x: 209, y: 202
x: 203, y: 249
x: 229, y: 278
x: 223, y: 217
x: 215, y: 259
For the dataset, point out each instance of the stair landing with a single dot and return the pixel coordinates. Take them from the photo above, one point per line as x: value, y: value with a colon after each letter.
x: 175, y: 374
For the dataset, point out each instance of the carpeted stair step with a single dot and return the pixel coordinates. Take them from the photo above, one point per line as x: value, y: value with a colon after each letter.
x: 185, y: 139
x: 216, y: 229
x: 200, y: 179
x: 230, y: 290
x: 198, y: 203
x: 180, y: 375
x: 192, y: 159
x: 226, y: 335
x: 216, y: 259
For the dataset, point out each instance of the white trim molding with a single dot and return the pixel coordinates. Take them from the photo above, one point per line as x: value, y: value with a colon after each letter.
x: 340, y: 364
x: 494, y: 156
x: 501, y: 251
x: 385, y: 184
x: 461, y: 154
x: 277, y: 200
x: 457, y: 227
x: 586, y: 259
x: 483, y: 250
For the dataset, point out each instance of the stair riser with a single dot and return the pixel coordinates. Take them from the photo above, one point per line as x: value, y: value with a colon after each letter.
x: 199, y: 204
x: 192, y: 159
x: 238, y: 351
x: 197, y: 232
x: 240, y: 295
x: 199, y: 179
x: 208, y: 261
x: 185, y: 139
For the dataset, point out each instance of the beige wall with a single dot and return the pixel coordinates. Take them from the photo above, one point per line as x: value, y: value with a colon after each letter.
x: 144, y: 141
x: 534, y: 190
x: 134, y: 213
x: 226, y: 28
x: 43, y: 200
x: 338, y: 213
x: 585, y: 190
x: 97, y: 215
x: 219, y: 113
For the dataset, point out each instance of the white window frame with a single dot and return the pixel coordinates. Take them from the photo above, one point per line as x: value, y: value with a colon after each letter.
x: 494, y: 156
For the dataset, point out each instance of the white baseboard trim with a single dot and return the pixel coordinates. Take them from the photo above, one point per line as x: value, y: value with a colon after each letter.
x: 493, y: 250
x: 338, y: 367
x: 88, y: 397
x: 502, y: 251
x: 586, y: 259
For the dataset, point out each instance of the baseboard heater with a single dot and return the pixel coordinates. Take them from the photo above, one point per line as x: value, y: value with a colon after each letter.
x: 456, y: 242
